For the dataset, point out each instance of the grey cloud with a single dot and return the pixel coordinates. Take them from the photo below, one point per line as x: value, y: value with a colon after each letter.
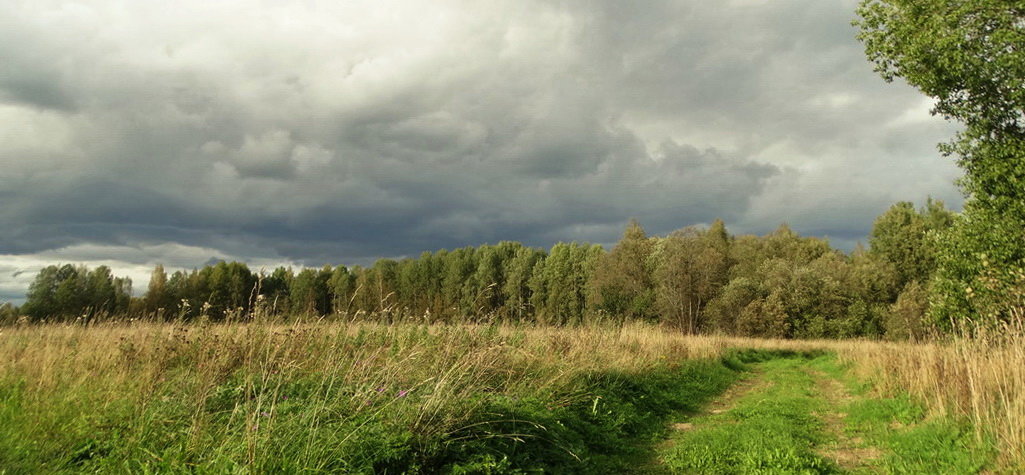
x: 29, y: 91
x: 27, y: 78
x: 358, y: 131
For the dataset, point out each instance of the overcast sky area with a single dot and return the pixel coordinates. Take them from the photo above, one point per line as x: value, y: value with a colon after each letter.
x: 305, y: 132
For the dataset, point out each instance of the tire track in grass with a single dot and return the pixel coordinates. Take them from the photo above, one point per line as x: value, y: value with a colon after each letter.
x: 850, y: 453
x: 725, y: 403
x: 800, y: 414
x: 770, y: 428
x: 720, y: 405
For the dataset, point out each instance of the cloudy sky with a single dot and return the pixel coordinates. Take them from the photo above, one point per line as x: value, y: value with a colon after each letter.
x: 307, y: 132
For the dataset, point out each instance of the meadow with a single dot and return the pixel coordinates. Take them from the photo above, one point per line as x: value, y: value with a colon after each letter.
x: 351, y: 397
x: 696, y: 351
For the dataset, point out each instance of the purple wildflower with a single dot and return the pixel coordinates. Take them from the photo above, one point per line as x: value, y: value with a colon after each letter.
x: 403, y: 393
x: 380, y: 390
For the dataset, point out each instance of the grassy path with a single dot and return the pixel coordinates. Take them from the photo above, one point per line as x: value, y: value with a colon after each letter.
x: 801, y: 414
x: 848, y: 451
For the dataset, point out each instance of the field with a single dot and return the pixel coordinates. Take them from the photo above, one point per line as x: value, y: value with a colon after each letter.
x: 368, y: 398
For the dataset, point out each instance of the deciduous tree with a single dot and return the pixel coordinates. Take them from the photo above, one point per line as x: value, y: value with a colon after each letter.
x: 968, y: 56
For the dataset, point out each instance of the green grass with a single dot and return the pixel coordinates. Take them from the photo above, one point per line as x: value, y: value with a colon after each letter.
x: 770, y: 430
x: 264, y: 416
x: 606, y: 428
x: 914, y: 443
x: 778, y: 428
x: 600, y: 427
x: 910, y: 440
x: 414, y: 399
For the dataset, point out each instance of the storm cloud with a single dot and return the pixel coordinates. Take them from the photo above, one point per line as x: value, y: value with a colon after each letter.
x: 339, y: 132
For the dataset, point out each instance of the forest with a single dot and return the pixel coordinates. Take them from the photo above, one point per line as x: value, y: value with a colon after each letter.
x: 695, y: 280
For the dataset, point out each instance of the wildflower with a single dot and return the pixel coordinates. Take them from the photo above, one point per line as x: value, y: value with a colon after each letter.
x: 380, y: 390
x: 403, y: 393
x: 265, y: 414
x: 284, y: 398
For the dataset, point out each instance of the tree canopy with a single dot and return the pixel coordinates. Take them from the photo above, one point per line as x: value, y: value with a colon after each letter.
x: 968, y: 56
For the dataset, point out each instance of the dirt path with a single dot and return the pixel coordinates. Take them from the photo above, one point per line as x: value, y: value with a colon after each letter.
x: 721, y: 404
x: 729, y: 399
x: 850, y: 453
x: 788, y: 416
x: 794, y: 414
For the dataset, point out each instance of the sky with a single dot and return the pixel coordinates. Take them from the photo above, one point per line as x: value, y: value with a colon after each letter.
x: 307, y: 133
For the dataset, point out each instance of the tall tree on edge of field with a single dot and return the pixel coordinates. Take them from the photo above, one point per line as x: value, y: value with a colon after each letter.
x: 157, y: 297
x: 906, y: 237
x: 622, y: 284
x: 968, y: 55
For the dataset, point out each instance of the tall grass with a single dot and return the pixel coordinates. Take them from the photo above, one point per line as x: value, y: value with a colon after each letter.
x: 320, y: 396
x: 978, y: 377
x: 364, y: 397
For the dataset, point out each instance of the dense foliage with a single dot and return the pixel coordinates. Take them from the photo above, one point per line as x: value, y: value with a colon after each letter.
x: 74, y: 292
x: 697, y: 280
x: 968, y: 56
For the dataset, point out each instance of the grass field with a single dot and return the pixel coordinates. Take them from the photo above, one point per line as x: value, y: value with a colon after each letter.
x: 363, y: 398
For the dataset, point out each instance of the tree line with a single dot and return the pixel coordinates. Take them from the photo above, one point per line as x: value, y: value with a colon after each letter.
x: 697, y: 280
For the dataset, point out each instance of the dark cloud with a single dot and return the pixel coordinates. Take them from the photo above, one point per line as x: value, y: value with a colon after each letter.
x: 284, y: 133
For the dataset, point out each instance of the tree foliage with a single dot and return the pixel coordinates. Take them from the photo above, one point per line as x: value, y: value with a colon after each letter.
x: 70, y: 292
x: 909, y: 239
x: 691, y: 267
x: 9, y: 314
x: 622, y: 283
x: 968, y: 56
x: 694, y: 280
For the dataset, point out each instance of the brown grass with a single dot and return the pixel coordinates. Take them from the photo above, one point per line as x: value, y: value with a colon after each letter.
x: 981, y: 380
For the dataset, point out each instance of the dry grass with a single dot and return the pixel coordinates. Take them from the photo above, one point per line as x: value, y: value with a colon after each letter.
x: 980, y: 380
x: 224, y: 385
x: 426, y: 378
x: 141, y: 355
